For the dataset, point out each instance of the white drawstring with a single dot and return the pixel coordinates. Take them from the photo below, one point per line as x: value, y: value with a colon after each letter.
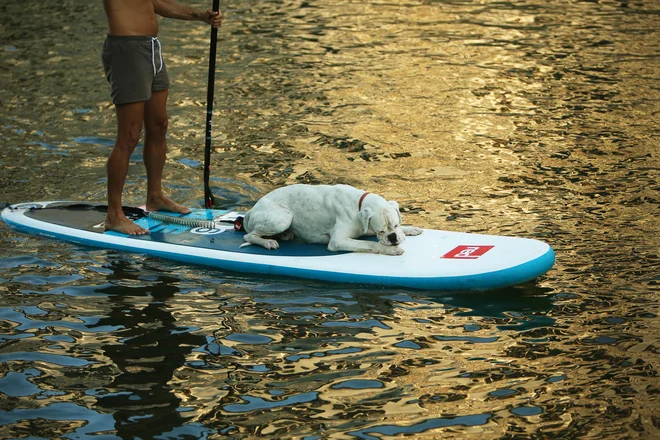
x: 153, y: 55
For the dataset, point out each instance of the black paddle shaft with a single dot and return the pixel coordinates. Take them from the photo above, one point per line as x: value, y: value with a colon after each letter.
x: 208, y: 195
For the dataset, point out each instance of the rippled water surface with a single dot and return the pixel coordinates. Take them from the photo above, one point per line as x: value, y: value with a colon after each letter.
x: 530, y: 118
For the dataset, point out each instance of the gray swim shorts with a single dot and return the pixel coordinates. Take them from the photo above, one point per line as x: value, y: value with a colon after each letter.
x: 134, y: 67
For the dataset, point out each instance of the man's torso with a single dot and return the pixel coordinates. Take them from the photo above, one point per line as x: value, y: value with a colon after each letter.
x: 131, y: 17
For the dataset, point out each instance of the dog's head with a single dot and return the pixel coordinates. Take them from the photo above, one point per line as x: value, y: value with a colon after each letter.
x: 384, y: 220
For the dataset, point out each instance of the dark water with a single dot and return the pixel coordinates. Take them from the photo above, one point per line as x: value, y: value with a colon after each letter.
x: 529, y: 118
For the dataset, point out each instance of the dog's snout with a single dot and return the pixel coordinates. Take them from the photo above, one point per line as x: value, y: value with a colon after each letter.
x: 392, y: 238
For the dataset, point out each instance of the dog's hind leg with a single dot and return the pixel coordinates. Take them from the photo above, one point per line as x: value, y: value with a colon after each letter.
x: 268, y: 220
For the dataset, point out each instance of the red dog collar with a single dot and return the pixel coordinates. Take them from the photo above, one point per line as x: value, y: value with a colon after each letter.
x: 361, y: 199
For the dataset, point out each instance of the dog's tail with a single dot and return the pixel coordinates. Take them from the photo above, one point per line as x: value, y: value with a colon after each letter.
x: 245, y: 244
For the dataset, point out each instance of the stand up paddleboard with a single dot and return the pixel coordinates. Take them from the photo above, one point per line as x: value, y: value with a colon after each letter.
x: 434, y: 260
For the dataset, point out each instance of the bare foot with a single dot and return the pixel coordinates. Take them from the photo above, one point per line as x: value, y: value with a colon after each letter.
x: 163, y: 203
x: 124, y: 226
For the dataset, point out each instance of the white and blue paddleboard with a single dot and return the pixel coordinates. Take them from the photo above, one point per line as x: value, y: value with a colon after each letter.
x: 434, y: 260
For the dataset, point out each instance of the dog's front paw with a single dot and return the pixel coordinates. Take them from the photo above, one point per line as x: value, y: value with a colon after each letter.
x: 391, y: 250
x: 412, y: 230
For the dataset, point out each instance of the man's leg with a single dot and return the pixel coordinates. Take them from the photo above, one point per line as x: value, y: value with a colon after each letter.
x: 129, y: 125
x: 155, y: 153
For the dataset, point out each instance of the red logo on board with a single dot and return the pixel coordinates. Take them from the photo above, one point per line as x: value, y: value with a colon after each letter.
x: 467, y: 252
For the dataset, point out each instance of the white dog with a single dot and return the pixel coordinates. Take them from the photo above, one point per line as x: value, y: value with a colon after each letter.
x: 336, y: 215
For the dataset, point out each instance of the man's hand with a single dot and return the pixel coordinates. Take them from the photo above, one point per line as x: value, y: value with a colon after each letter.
x: 213, y: 18
x: 172, y: 9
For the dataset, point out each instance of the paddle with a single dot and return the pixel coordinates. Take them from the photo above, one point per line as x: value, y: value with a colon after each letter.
x: 209, y: 201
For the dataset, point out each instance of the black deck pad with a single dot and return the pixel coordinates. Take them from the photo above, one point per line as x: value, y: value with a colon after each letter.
x: 83, y: 215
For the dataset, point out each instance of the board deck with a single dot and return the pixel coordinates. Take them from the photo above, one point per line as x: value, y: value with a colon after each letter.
x: 434, y: 260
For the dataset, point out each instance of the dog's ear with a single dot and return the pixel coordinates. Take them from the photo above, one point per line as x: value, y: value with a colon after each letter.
x: 396, y: 206
x: 364, y: 215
